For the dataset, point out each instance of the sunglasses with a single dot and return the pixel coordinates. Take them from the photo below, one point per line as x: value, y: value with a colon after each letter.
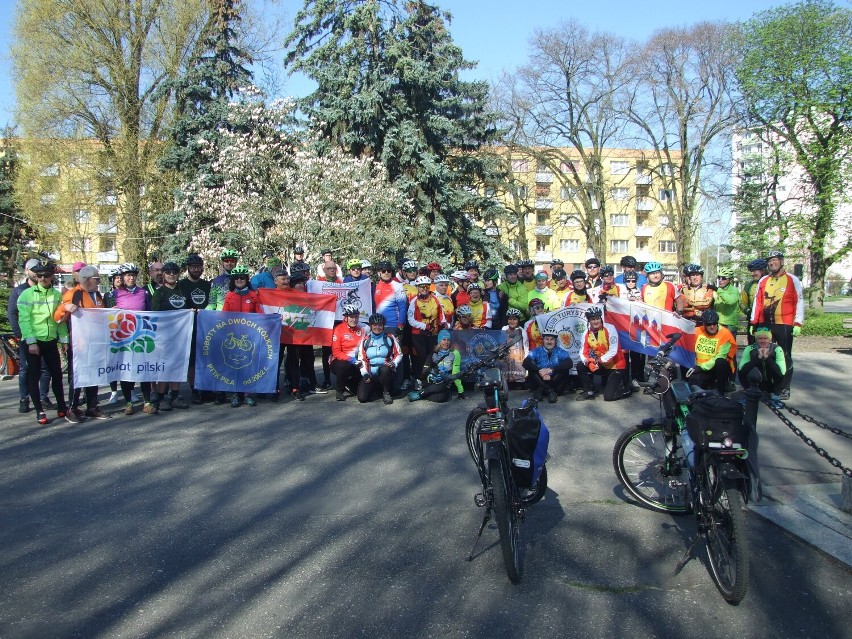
x: 43, y: 276
x: 711, y: 323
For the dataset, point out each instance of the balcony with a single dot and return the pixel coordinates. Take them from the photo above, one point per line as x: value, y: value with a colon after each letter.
x: 643, y: 231
x: 544, y: 177
x: 544, y: 256
x: 544, y: 230
x: 644, y: 204
x: 110, y: 228
x: 107, y: 256
x: 643, y: 178
x: 543, y: 204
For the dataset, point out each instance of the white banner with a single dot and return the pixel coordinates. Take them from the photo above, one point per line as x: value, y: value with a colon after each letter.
x: 112, y: 344
x: 570, y: 324
x: 359, y: 293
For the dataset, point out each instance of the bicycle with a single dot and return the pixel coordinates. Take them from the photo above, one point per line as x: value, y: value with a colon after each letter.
x: 10, y: 363
x: 694, y: 461
x: 488, y: 433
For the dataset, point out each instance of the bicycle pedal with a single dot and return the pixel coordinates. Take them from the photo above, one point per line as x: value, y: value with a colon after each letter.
x: 479, y: 500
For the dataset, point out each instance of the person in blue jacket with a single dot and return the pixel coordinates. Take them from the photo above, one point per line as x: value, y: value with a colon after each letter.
x: 548, y: 366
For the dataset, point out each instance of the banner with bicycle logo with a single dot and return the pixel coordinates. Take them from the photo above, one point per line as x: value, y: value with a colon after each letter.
x: 358, y: 294
x: 111, y: 344
x: 237, y: 352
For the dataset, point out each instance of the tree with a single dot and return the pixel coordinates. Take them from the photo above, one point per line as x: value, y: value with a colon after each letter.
x: 679, y: 104
x: 277, y: 190
x: 93, y: 69
x: 389, y: 88
x: 14, y: 231
x: 795, y: 77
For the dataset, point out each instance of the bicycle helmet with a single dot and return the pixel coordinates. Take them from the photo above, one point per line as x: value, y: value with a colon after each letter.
x: 128, y: 267
x: 376, y: 318
x: 298, y: 251
x: 629, y: 261
x: 239, y: 270
x: 557, y: 262
x: 535, y: 302
x: 510, y: 268
x: 757, y: 265
x: 471, y: 264
x: 491, y: 274
x: 383, y: 265
x: 726, y: 271
x: 578, y: 275
x: 693, y: 269
x: 594, y: 312
x: 526, y: 262
x: 422, y: 280
x: 631, y: 276
x: 409, y: 265
x: 607, y: 270
x: 653, y: 267
x: 710, y: 317
x: 513, y: 312
x: 541, y: 275
x: 353, y: 264
x: 229, y: 254
x: 464, y: 311
x: 441, y: 278
x: 549, y: 332
x: 460, y: 275
x: 592, y: 261
x: 350, y: 310
x: 474, y: 286
x: 366, y: 264
x: 559, y: 274
x: 776, y: 253
x: 44, y: 267
x: 194, y: 259
x: 172, y: 267
x: 433, y: 266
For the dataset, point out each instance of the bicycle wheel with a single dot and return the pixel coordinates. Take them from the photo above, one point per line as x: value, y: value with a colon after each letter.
x: 508, y: 519
x: 727, y: 548
x: 642, y: 464
x: 473, y: 446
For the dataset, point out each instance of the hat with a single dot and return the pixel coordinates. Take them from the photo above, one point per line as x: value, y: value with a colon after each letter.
x: 279, y: 270
x: 77, y: 266
x: 172, y: 267
x: 88, y: 271
x: 30, y: 263
x: 762, y: 329
x: 541, y: 275
x: 444, y: 334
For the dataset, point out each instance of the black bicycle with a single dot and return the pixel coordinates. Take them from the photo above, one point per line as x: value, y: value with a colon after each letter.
x: 488, y: 432
x: 693, y: 459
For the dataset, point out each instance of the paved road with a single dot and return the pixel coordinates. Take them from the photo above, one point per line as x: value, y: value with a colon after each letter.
x: 321, y: 519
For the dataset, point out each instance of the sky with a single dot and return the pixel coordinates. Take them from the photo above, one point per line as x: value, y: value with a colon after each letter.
x: 494, y: 33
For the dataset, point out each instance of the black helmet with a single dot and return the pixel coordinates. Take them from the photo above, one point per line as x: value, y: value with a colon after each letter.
x: 594, y: 312
x: 693, y: 269
x: 44, y: 267
x: 194, y: 258
x: 557, y: 262
x: 376, y: 318
x: 471, y: 264
x: 383, y: 265
x: 629, y: 261
x: 710, y: 316
x: 510, y: 268
x: 607, y: 270
x: 592, y: 261
x: 758, y: 264
x: 491, y: 274
x: 299, y: 267
x: 559, y: 274
x: 631, y: 276
x: 171, y: 267
x: 578, y: 275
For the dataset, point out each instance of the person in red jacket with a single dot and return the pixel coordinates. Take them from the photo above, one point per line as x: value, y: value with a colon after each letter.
x: 345, y: 341
x: 240, y: 298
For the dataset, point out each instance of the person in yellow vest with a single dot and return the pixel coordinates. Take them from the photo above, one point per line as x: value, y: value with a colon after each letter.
x: 482, y: 313
x: 600, y: 355
x: 426, y: 317
x: 715, y: 354
x: 697, y: 296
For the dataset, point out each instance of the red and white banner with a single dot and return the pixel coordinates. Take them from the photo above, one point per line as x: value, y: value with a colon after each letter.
x: 644, y: 328
x: 306, y: 318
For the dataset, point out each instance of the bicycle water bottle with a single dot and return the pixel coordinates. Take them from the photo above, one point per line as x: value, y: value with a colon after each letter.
x: 688, y: 448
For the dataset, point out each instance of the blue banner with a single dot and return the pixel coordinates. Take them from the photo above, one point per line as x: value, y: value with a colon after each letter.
x: 474, y: 344
x: 237, y: 352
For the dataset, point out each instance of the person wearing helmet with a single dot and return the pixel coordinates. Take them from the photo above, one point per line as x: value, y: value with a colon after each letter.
x: 345, y: 342
x: 464, y: 318
x: 367, y: 269
x: 555, y: 265
x: 481, y: 311
x: 660, y: 293
x: 434, y: 269
x: 715, y: 354
x: 526, y: 274
x: 299, y: 258
x: 472, y: 268
x: 779, y: 303
x: 726, y: 299
x: 543, y: 292
x: 536, y: 307
x: 460, y: 296
x: 630, y: 291
x: 389, y: 299
x: 561, y: 286
x: 514, y: 290
x: 241, y: 298
x: 608, y: 286
x: 580, y: 294
x: 496, y: 300
x: 219, y: 284
x: 628, y: 263
x: 593, y: 271
x: 697, y: 296
x: 442, y: 292
x: 548, y: 366
x: 407, y: 275
x: 379, y: 355
x: 600, y: 355
x: 426, y: 317
x: 757, y: 269
x: 197, y: 291
x: 355, y: 271
x: 515, y: 371
x: 44, y: 337
x: 170, y: 297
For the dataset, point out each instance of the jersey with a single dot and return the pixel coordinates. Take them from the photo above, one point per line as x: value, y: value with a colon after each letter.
x: 778, y: 299
x: 709, y: 348
x: 603, y: 344
x: 390, y: 302
x: 696, y: 301
x: 661, y: 295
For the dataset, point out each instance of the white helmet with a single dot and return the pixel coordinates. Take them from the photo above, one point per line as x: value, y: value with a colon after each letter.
x: 422, y: 279
x: 460, y: 275
x: 440, y: 277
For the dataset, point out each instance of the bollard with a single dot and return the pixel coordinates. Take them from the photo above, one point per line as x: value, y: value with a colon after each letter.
x: 846, y: 494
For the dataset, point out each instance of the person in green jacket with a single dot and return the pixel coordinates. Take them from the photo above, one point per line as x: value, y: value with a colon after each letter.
x: 44, y: 336
x: 766, y: 357
x: 727, y: 300
x: 515, y: 290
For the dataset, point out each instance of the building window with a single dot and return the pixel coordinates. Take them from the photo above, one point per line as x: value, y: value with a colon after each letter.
x: 520, y: 166
x: 568, y: 193
x: 81, y: 244
x: 667, y: 170
x: 667, y: 246
x: 619, y: 220
x: 570, y: 168
x: 107, y: 244
x: 542, y: 190
x: 541, y: 246
x: 521, y: 192
x: 664, y: 220
x: 666, y: 195
x: 542, y: 218
x: 619, y: 167
x: 619, y: 246
x: 82, y: 216
x: 641, y: 244
x: 569, y: 246
x: 620, y: 194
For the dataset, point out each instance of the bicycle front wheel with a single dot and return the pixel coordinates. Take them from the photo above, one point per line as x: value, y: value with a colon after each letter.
x: 727, y: 548
x: 648, y: 472
x: 473, y: 445
x: 507, y: 514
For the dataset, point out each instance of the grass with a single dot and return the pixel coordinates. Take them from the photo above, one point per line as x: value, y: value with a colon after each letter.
x: 822, y: 324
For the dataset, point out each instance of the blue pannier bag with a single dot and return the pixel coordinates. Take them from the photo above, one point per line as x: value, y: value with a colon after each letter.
x: 528, y: 439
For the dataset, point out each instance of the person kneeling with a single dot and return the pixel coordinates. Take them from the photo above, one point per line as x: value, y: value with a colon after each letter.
x: 345, y: 341
x: 378, y: 357
x: 599, y: 354
x: 766, y: 357
x: 715, y: 354
x: 444, y: 362
x: 548, y: 367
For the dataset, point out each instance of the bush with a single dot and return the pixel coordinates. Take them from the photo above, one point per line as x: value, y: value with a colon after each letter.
x: 4, y: 301
x: 822, y: 324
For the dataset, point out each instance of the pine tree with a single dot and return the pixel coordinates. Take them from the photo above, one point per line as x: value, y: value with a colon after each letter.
x: 389, y: 87
x: 14, y: 232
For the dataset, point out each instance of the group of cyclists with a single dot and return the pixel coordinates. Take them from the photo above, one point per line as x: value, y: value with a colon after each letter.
x: 407, y: 343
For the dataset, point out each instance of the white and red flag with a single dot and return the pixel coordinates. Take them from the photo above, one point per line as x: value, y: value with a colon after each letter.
x: 306, y: 318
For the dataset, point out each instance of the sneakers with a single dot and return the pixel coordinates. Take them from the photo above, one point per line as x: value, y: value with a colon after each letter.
x: 386, y: 398
x: 418, y: 385
x: 24, y: 406
x: 584, y: 396
x: 46, y: 403
x: 784, y: 394
x: 297, y: 395
x: 95, y: 413
x: 235, y: 401
x: 180, y: 402
x: 339, y: 396
x: 113, y: 397
x: 78, y: 413
x: 128, y: 409
x: 320, y: 390
x: 326, y: 386
x: 251, y: 401
x: 634, y: 383
x: 135, y: 396
x: 551, y: 396
x: 42, y: 419
x: 69, y: 416
x: 406, y: 384
x: 413, y: 396
x: 166, y: 403
x: 776, y: 402
x: 150, y: 409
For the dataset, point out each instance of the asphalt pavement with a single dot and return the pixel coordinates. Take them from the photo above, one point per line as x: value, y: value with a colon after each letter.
x: 329, y: 519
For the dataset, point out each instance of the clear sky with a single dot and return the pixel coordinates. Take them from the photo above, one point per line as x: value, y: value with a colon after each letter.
x: 494, y: 33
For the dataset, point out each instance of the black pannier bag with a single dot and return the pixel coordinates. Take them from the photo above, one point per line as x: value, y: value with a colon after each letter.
x: 528, y: 439
x: 713, y: 418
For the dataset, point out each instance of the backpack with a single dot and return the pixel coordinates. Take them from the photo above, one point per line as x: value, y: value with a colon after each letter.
x: 528, y: 439
x: 714, y: 417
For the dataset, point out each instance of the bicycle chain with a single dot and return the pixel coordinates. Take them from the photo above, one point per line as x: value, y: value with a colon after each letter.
x: 820, y: 450
x: 823, y: 425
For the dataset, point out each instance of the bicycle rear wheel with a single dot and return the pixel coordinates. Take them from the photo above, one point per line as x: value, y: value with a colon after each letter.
x: 470, y: 425
x: 643, y: 466
x: 507, y: 514
x: 727, y: 548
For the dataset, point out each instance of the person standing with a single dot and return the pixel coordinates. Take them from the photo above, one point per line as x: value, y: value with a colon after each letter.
x: 514, y: 290
x: 426, y: 317
x: 241, y: 299
x: 726, y: 300
x: 197, y: 292
x: 219, y: 286
x: 629, y: 264
x: 757, y: 269
x: 155, y: 277
x: 697, y: 296
x: 170, y: 297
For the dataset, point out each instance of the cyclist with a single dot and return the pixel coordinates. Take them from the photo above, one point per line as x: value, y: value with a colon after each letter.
x: 658, y: 292
x: 367, y: 269
x: 299, y: 258
x: 355, y: 271
x: 697, y: 296
x: 426, y: 317
x: 779, y: 304
x: 197, y: 291
x: 536, y: 307
x: 548, y: 367
x: 300, y: 357
x: 460, y: 296
x: 726, y: 300
x: 263, y: 278
x: 600, y: 355
x: 768, y: 358
x: 517, y: 353
x: 44, y: 337
x: 378, y: 357
x: 580, y: 294
x: 526, y: 273
x: 555, y: 264
x: 628, y: 263
x: 561, y: 287
x: 593, y: 268
x: 472, y: 268
x: 389, y: 299
x: 481, y: 311
x: 543, y: 292
x: 434, y: 269
x: 409, y: 274
x: 345, y: 342
x: 241, y: 298
x: 496, y: 300
x: 757, y: 268
x: 715, y: 354
x: 514, y: 290
x: 170, y: 297
x: 609, y: 287
x: 630, y: 291
x: 219, y: 285
x: 155, y: 277
x: 328, y: 258
x: 442, y: 285
x: 444, y: 360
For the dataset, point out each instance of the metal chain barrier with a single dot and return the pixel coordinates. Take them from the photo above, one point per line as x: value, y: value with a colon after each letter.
x: 823, y: 425
x: 820, y: 451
